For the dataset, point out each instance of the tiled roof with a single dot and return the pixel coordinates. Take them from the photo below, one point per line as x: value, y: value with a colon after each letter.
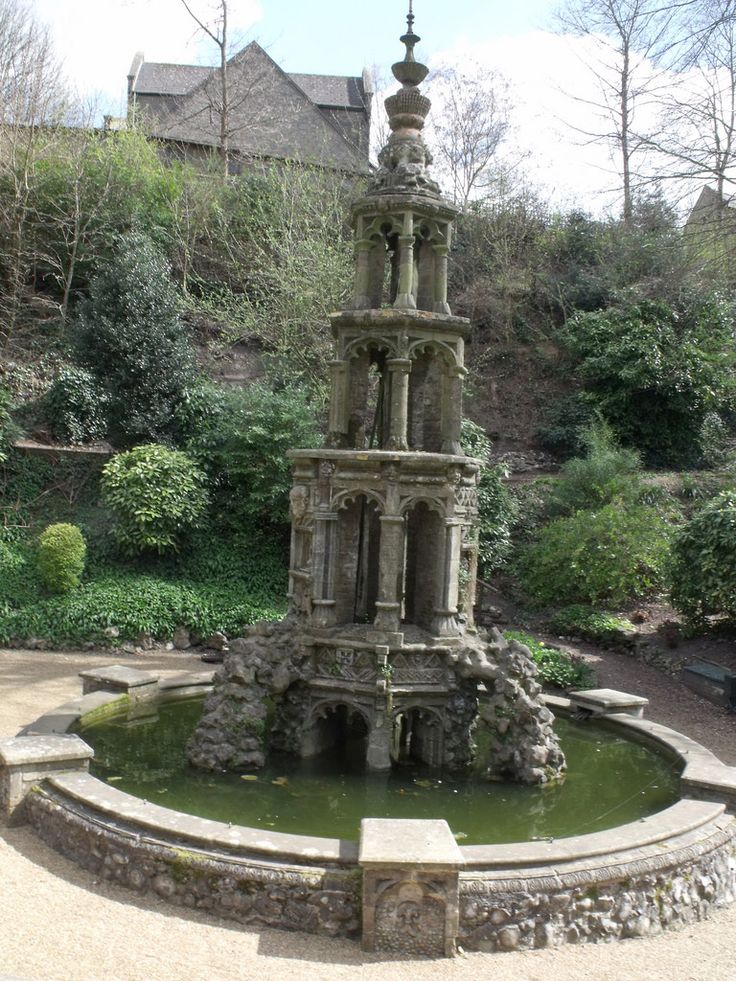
x: 332, y: 90
x: 158, y: 78
x: 155, y: 78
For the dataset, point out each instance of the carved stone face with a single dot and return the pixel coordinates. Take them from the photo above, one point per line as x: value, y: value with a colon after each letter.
x: 298, y: 502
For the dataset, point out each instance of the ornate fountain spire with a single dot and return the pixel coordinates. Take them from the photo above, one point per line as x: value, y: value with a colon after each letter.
x: 403, y: 162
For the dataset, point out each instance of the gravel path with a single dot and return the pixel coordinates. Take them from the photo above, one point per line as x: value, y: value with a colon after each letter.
x: 58, y: 923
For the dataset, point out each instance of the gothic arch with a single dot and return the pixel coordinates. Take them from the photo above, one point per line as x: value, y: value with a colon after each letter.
x: 437, y: 504
x: 370, y: 342
x: 345, y: 497
x: 445, y: 351
x: 321, y: 709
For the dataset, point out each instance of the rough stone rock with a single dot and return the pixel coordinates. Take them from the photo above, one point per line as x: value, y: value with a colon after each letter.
x: 216, y: 642
x: 182, y: 640
x: 523, y: 745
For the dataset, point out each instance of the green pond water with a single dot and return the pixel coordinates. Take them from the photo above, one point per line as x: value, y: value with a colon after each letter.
x: 609, y: 781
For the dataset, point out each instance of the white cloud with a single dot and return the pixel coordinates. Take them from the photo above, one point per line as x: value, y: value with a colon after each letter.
x: 98, y: 38
x: 545, y: 71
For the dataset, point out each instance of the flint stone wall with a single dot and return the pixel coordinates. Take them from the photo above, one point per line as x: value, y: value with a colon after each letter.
x: 311, y: 900
x: 521, y: 915
x: 499, y: 910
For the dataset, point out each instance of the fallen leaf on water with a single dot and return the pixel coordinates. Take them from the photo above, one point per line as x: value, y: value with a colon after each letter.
x: 113, y: 779
x: 280, y: 781
x: 250, y: 777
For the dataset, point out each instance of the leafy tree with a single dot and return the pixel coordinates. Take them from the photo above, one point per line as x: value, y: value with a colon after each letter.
x: 155, y: 495
x: 703, y: 569
x: 130, y: 337
x: 656, y: 370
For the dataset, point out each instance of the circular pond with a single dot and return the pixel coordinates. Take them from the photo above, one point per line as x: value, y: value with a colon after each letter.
x: 610, y: 781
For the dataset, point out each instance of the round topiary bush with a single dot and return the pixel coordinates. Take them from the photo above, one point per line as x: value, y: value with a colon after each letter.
x: 155, y: 494
x: 60, y: 557
x: 703, y: 567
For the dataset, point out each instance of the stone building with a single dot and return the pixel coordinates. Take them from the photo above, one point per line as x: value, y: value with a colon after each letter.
x: 315, y: 119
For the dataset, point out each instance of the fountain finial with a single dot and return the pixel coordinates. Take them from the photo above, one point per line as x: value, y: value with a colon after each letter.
x: 409, y: 71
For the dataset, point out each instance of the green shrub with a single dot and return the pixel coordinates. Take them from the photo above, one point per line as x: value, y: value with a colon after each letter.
x: 554, y: 667
x: 606, y: 472
x: 130, y: 337
x: 5, y: 423
x: 76, y: 406
x: 155, y: 494
x: 703, y: 567
x: 241, y: 437
x: 594, y: 625
x: 713, y: 440
x: 60, y: 557
x: 136, y: 603
x: 497, y: 507
x: 605, y: 556
x: 656, y: 370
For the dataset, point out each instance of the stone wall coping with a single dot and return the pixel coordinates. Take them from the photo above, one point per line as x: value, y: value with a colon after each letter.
x: 408, y: 843
x: 425, y: 461
x: 24, y: 750
x: 606, y: 700
x: 202, y: 832
x: 187, y: 679
x: 682, y: 747
x: 60, y: 719
x: 684, y: 816
x: 120, y: 676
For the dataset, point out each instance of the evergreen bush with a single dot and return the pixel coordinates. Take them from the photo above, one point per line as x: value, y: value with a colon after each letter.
x: 60, y: 557
x: 656, y: 370
x: 130, y: 337
x: 155, y: 495
x: 76, y: 406
x: 703, y: 567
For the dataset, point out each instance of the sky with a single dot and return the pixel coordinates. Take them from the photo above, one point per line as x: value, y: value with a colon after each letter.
x: 98, y: 38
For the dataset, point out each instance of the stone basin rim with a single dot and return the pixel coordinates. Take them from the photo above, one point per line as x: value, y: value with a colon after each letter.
x: 709, y: 790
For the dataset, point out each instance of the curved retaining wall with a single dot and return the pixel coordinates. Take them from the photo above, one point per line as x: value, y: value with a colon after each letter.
x: 668, y: 869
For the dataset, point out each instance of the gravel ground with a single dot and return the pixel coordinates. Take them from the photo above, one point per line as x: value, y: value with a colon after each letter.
x: 57, y: 923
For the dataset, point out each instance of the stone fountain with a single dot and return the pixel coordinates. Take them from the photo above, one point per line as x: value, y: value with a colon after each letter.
x: 379, y: 643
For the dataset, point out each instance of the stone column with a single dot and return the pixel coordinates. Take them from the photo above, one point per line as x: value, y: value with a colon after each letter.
x: 388, y: 607
x: 470, y: 591
x: 452, y: 409
x: 362, y: 292
x: 445, y: 616
x: 405, y: 294
x: 398, y: 424
x: 440, y: 279
x: 378, y: 754
x: 339, y: 411
x: 323, y: 568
